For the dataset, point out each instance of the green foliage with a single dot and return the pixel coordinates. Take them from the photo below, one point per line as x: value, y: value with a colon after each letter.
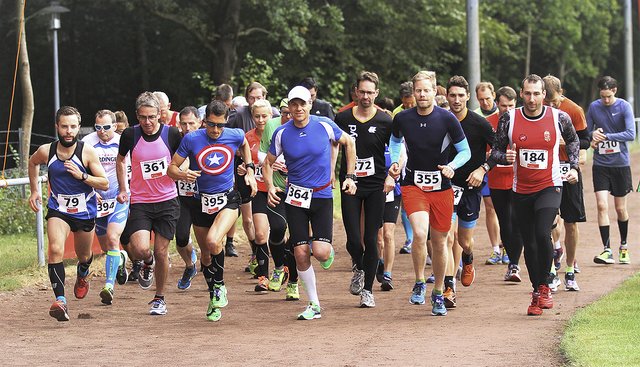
x: 17, y: 216
x: 263, y: 71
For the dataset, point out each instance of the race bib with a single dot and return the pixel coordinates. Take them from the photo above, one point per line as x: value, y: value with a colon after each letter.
x: 365, y: 167
x: 258, y: 174
x: 564, y: 170
x: 128, y: 172
x: 106, y: 207
x: 608, y: 147
x: 299, y: 196
x: 428, y: 180
x: 187, y: 188
x: 72, y: 204
x: 154, y: 168
x: 533, y: 158
x: 212, y: 203
x: 457, y: 194
x: 389, y: 197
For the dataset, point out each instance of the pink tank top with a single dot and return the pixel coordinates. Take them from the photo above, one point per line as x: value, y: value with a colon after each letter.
x: 149, y: 163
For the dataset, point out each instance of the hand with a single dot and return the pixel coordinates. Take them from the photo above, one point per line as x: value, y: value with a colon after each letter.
x: 191, y: 176
x: 511, y: 153
x: 394, y: 171
x: 598, y: 135
x: 35, y: 201
x: 242, y: 170
x: 279, y: 166
x: 73, y: 169
x: 447, y: 171
x: 349, y: 186
x: 250, y: 180
x: 98, y: 197
x: 333, y: 179
x: 389, y: 184
x: 571, y: 176
x: 272, y: 198
x: 122, y: 197
x: 476, y: 177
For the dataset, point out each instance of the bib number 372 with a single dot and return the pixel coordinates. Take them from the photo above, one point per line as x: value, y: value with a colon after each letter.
x: 299, y: 196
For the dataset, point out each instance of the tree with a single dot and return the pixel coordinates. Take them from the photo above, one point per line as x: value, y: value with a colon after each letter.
x: 27, y: 89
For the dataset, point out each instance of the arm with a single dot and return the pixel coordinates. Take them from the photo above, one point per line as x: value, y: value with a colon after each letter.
x: 500, y: 146
x: 121, y: 173
x: 98, y: 179
x: 38, y: 158
x: 629, y: 132
x: 334, y: 160
x: 249, y: 177
x: 176, y: 173
x: 350, y: 151
x: 267, y: 176
x: 395, y: 147
x: 463, y: 155
x: 572, y: 143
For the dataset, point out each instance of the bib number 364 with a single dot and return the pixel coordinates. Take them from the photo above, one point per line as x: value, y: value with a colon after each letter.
x: 299, y: 196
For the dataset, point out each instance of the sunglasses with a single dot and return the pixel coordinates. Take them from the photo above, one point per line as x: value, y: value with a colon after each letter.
x: 103, y: 127
x: 219, y: 125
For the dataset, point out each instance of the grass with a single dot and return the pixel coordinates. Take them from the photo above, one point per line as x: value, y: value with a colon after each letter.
x: 19, y: 265
x: 606, y: 333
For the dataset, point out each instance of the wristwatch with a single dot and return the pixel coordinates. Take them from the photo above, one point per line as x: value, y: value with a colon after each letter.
x: 84, y: 176
x: 486, y: 167
x: 251, y: 165
x: 352, y: 176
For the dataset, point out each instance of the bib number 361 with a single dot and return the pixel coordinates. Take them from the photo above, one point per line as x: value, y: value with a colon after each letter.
x: 299, y: 196
x: 153, y: 168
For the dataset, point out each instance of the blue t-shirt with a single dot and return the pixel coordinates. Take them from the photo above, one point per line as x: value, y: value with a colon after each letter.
x: 617, y: 123
x: 213, y: 157
x: 307, y: 152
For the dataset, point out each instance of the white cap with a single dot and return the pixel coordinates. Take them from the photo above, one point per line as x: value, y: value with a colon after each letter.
x: 300, y: 92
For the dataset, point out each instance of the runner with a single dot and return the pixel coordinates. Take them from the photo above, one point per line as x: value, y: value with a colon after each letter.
x: 74, y: 172
x: 111, y: 215
x: 611, y: 122
x: 211, y: 153
x: 370, y: 129
x: 429, y: 132
x: 306, y: 143
x: 154, y: 204
x: 529, y: 136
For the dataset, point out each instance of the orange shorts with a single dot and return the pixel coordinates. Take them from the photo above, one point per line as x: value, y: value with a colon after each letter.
x: 439, y: 205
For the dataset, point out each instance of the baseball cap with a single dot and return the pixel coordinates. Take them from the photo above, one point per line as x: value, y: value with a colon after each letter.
x: 300, y: 92
x: 284, y: 103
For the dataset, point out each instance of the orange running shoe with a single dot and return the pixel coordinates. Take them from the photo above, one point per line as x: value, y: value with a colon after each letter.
x: 449, y: 297
x: 59, y: 311
x: 534, y: 308
x: 81, y: 288
x: 468, y: 274
x: 546, y: 300
x: 263, y: 284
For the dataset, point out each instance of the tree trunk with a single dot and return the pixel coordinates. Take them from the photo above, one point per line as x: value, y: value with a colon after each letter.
x: 528, y: 59
x: 226, y: 55
x: 143, y: 60
x: 27, y: 91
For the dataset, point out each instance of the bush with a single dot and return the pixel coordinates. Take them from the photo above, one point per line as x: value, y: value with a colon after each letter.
x: 17, y: 216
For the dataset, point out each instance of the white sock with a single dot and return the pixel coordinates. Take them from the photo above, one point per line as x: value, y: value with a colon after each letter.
x: 556, y: 245
x: 496, y: 249
x: 309, y: 278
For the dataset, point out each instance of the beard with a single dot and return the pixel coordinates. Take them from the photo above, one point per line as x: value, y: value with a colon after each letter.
x: 66, y: 144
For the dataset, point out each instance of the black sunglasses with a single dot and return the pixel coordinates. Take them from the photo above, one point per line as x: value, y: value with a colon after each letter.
x: 219, y: 125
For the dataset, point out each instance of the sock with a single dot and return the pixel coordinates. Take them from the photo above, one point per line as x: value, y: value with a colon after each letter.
x: 149, y: 261
x: 158, y: 297
x: 217, y: 263
x: 467, y: 258
x: 277, y: 253
x: 387, y: 274
x: 290, y: 261
x: 262, y: 255
x: 208, y: 273
x: 56, y: 277
x: 437, y: 292
x: 111, y: 266
x: 496, y: 249
x: 253, y: 246
x: 83, y: 268
x: 569, y: 269
x: 230, y: 240
x: 623, y: 227
x: 604, y: 235
x: 309, y: 278
x: 556, y: 245
x: 420, y: 281
x: 448, y: 282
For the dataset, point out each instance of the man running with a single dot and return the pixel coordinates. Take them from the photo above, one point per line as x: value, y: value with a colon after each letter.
x: 306, y: 142
x: 74, y: 172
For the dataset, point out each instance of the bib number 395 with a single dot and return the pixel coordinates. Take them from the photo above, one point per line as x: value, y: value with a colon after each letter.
x: 428, y: 180
x: 213, y: 203
x: 299, y: 196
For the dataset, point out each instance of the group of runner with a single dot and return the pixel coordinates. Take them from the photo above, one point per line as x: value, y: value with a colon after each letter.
x: 203, y: 167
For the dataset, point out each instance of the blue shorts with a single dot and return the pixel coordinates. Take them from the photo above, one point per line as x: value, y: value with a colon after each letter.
x: 119, y: 216
x: 485, y: 191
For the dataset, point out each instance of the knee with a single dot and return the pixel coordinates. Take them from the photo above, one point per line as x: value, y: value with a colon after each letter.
x: 419, y: 235
x: 247, y: 221
x: 602, y: 206
x: 388, y: 237
x: 621, y: 212
x: 261, y: 236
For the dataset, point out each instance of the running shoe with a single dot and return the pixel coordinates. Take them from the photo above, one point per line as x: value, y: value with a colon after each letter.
x: 449, y: 297
x: 605, y: 257
x: 158, y: 307
x: 123, y: 273
x: 293, y: 294
x: 81, y: 288
x: 278, y: 277
x: 59, y: 310
x: 213, y: 313
x: 624, y: 256
x: 505, y: 257
x: 468, y: 271
x: 327, y: 263
x: 570, y: 283
x: 219, y: 296
x: 417, y: 295
x: 534, y: 308
x: 513, y: 274
x: 438, y: 305
x: 311, y: 312
x: 106, y: 295
x: 145, y: 278
x: 546, y: 300
x: 576, y: 269
x: 558, y: 255
x: 230, y: 250
x: 263, y: 284
x: 184, y: 283
x: 357, y: 282
x: 494, y: 259
x: 431, y: 279
x: 406, y: 248
x: 380, y: 271
x: 366, y: 299
x: 553, y: 282
x: 135, y: 271
x: 386, y: 285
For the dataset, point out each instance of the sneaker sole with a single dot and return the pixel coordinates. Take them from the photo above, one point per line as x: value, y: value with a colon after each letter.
x: 59, y: 314
x: 292, y: 299
x: 215, y: 315
x: 598, y: 260
x: 106, y: 297
x: 411, y: 302
x: 318, y: 316
x: 573, y: 289
x: 386, y: 287
x: 184, y: 288
x: 157, y: 313
x: 439, y: 313
x: 624, y: 262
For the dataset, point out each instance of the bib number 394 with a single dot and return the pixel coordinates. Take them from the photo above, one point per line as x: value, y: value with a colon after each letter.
x: 428, y: 180
x: 213, y: 203
x: 153, y: 168
x: 299, y: 196
x: 72, y: 204
x: 106, y: 207
x: 533, y: 158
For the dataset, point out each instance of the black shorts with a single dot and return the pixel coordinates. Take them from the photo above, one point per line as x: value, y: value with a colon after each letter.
x: 259, y: 203
x: 468, y: 209
x: 201, y: 219
x: 183, y: 230
x: 84, y: 225
x: 391, y: 210
x: 572, y: 204
x: 320, y: 215
x: 241, y: 186
x: 616, y: 180
x: 161, y: 218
